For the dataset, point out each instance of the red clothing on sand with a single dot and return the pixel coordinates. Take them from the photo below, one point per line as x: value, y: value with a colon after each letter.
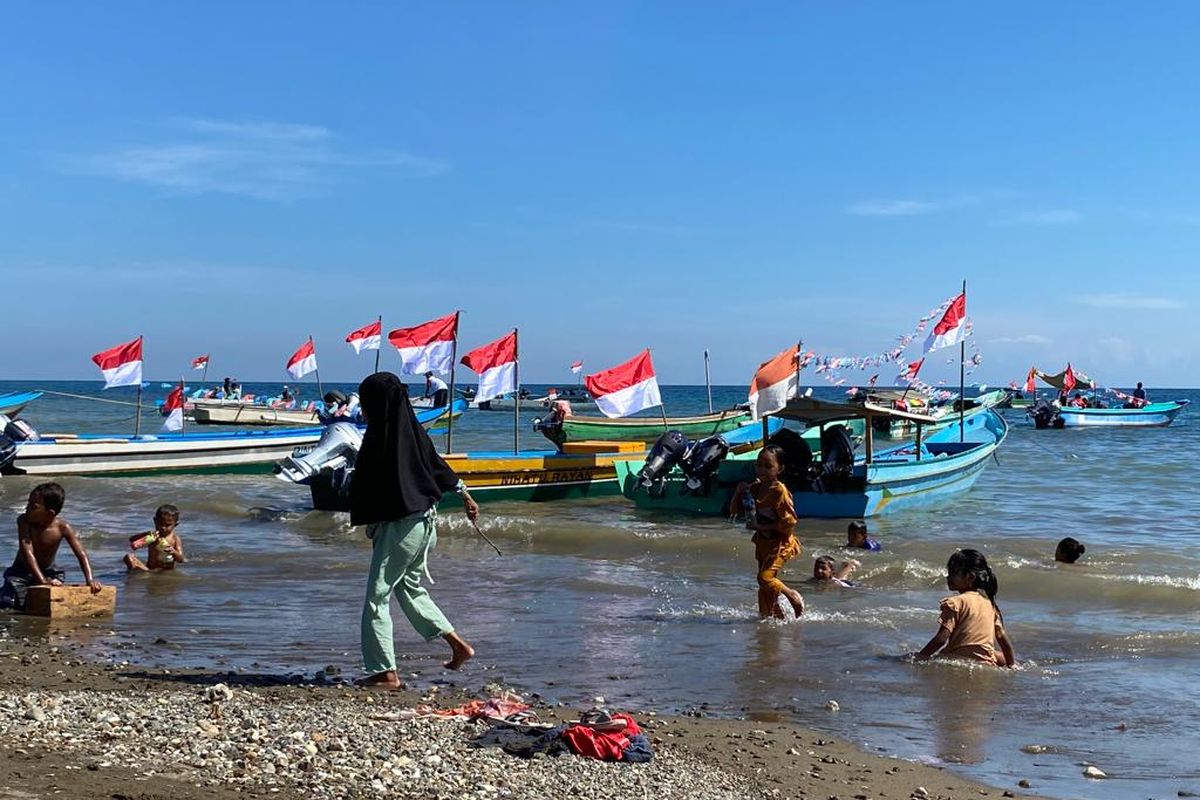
x: 604, y: 745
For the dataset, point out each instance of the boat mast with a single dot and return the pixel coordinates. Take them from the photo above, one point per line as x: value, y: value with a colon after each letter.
x: 707, y: 381
x: 317, y: 372
x: 516, y: 393
x: 962, y: 375
x: 450, y: 399
x: 377, y: 349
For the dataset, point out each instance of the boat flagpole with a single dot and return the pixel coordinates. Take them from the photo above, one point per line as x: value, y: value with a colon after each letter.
x: 204, y: 375
x: 183, y: 407
x: 707, y: 381
x: 137, y: 421
x: 377, y: 349
x: 516, y: 392
x: 450, y: 400
x: 317, y: 372
x: 962, y: 360
x: 662, y: 407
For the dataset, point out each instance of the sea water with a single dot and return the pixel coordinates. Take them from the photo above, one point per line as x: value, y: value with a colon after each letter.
x: 597, y: 597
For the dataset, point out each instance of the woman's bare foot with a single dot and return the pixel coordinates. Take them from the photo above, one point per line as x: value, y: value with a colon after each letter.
x: 387, y: 681
x: 460, y: 651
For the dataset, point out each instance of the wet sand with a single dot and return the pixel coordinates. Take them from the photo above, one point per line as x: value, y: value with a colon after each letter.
x: 83, y: 729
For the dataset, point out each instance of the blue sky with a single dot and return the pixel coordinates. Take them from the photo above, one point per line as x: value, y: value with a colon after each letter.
x: 230, y: 178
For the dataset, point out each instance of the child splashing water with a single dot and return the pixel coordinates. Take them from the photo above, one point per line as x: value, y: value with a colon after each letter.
x: 771, y: 515
x: 971, y: 623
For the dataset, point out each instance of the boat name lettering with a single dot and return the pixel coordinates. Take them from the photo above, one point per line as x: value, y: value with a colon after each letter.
x: 561, y: 476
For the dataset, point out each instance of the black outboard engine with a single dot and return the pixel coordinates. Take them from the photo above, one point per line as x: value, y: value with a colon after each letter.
x: 668, y: 451
x: 14, y: 431
x: 837, y: 453
x: 798, y: 469
x: 702, y: 461
x: 1044, y: 415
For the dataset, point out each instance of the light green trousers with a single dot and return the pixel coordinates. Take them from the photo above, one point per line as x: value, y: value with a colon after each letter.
x: 398, y: 562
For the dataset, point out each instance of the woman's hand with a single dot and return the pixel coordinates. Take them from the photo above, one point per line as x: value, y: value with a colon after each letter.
x: 470, y: 506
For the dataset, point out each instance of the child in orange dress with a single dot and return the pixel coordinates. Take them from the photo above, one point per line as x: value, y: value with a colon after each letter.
x: 767, y: 504
x: 971, y: 624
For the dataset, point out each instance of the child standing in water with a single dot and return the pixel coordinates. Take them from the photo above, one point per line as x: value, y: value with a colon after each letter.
x: 164, y: 548
x: 971, y: 623
x: 767, y: 504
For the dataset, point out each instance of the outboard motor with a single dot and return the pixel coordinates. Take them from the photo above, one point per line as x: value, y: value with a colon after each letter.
x: 668, y: 451
x: 837, y: 453
x: 337, y: 448
x: 701, y: 462
x: 798, y: 469
x: 551, y: 426
x: 1044, y: 415
x: 14, y: 431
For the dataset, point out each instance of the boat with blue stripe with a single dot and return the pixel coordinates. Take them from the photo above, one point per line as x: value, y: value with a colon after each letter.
x: 13, y: 403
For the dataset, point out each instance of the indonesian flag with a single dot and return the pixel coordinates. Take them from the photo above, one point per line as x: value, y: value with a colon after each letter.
x: 1069, y: 378
x: 871, y: 383
x: 951, y: 328
x: 173, y: 407
x: 910, y: 372
x: 200, y: 362
x: 121, y: 365
x: 627, y: 388
x: 576, y: 367
x: 428, y: 347
x: 1029, y: 384
x: 303, y: 361
x: 367, y: 337
x: 496, y: 364
x: 774, y: 382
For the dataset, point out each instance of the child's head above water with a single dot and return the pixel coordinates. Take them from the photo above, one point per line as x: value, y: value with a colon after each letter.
x: 769, y: 464
x: 1069, y: 550
x: 823, y: 568
x: 856, y: 534
x: 46, y: 500
x: 166, y: 517
x: 968, y: 570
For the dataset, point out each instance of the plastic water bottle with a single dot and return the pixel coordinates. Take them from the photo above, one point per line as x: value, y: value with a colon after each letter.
x: 749, y: 507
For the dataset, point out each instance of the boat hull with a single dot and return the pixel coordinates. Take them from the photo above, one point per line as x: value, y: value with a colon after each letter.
x: 14, y: 403
x: 1155, y: 415
x: 648, y: 429
x: 894, y: 480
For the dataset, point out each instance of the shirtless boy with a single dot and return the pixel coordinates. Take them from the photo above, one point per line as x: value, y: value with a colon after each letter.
x: 164, y: 548
x: 39, y: 533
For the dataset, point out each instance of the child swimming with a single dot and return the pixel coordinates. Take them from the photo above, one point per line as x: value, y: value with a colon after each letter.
x: 824, y: 573
x: 1068, y: 551
x: 971, y: 624
x: 771, y: 515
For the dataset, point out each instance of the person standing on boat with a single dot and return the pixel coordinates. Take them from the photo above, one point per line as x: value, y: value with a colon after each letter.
x: 1139, y: 396
x: 436, y: 388
x: 399, y: 479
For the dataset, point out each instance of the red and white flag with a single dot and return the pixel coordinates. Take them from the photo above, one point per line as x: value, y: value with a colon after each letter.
x: 576, y: 367
x: 1069, y: 378
x: 303, y: 361
x: 121, y: 365
x: 367, y: 337
x: 428, y: 347
x: 774, y: 383
x: 496, y: 364
x: 1029, y: 384
x: 626, y: 388
x: 200, y: 362
x: 951, y: 328
x: 910, y: 372
x: 173, y: 408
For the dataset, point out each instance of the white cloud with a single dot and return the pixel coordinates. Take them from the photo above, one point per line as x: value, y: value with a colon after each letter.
x: 1028, y: 338
x: 265, y: 160
x: 1129, y: 302
x: 891, y: 208
x: 1057, y: 216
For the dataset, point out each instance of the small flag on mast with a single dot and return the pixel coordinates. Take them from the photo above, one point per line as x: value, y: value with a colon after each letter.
x: 200, y: 362
x: 774, y: 383
x: 626, y: 388
x: 173, y: 408
x: 428, y: 347
x: 121, y: 365
x: 576, y: 367
x: 367, y: 337
x: 496, y: 364
x: 952, y: 328
x: 303, y: 361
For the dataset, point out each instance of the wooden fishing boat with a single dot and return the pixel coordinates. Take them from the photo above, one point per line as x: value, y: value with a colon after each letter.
x: 639, y: 429
x: 1153, y: 415
x: 218, y: 413
x: 13, y: 403
x: 830, y: 486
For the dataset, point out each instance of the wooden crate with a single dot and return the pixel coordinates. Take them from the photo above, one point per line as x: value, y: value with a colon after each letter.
x: 57, y: 602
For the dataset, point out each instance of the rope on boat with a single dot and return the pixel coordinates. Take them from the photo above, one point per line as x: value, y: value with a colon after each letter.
x: 88, y: 397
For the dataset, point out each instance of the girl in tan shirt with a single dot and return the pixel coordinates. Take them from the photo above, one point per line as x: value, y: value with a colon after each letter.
x: 971, y: 624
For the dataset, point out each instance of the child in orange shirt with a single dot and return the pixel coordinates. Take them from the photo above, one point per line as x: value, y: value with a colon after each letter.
x: 971, y: 623
x: 767, y: 504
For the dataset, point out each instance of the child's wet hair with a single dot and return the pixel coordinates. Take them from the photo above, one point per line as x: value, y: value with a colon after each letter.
x: 1070, y: 549
x: 819, y: 560
x: 51, y: 495
x: 857, y: 527
x: 777, y: 452
x: 168, y: 511
x: 973, y: 564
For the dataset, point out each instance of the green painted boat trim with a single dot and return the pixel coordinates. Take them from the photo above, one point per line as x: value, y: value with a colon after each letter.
x: 577, y: 429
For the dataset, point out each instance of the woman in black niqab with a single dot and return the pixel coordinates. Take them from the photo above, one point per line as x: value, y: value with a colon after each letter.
x: 399, y: 478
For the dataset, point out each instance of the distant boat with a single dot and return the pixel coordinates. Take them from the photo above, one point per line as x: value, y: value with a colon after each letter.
x: 14, y: 403
x: 1153, y: 415
x: 233, y: 413
x: 638, y: 429
x: 837, y: 483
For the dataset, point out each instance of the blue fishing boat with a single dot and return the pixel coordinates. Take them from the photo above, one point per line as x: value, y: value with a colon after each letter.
x: 1152, y: 415
x: 831, y: 481
x: 14, y: 403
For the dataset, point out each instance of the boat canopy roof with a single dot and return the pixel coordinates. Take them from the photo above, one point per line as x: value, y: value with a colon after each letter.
x: 816, y: 412
x: 1056, y: 380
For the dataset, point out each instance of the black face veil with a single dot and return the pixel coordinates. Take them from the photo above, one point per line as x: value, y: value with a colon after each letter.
x: 398, y: 472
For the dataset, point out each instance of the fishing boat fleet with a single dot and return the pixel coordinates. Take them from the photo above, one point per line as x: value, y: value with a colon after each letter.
x: 877, y: 451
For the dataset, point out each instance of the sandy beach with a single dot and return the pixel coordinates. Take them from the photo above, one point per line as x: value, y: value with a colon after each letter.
x: 83, y: 729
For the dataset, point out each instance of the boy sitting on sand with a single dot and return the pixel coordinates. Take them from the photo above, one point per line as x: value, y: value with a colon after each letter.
x: 39, y: 533
x: 164, y: 548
